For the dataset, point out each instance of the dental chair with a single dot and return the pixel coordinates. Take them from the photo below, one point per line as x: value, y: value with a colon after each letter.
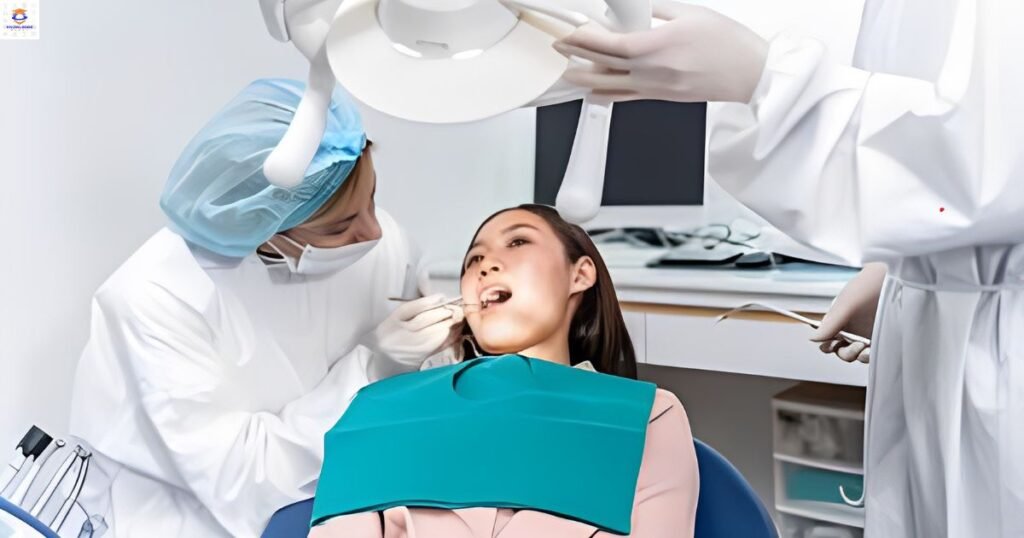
x: 292, y: 521
x: 727, y: 506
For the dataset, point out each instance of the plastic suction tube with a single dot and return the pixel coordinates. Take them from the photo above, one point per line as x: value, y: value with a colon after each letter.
x: 287, y: 163
x: 579, y: 197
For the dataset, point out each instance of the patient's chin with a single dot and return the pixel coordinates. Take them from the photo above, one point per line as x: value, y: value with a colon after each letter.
x: 498, y: 338
x: 501, y: 346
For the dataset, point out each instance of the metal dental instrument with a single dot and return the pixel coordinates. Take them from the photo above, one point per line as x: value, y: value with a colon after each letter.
x: 76, y: 490
x: 30, y: 447
x: 19, y: 494
x: 51, y: 487
x: 849, y: 337
x: 453, y: 302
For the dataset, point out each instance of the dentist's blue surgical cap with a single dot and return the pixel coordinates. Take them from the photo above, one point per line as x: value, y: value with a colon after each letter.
x: 217, y: 196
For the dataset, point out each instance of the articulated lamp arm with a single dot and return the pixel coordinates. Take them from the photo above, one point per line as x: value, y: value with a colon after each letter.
x: 305, y: 23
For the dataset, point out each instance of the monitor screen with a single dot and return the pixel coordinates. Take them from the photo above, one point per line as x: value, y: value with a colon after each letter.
x: 655, y: 153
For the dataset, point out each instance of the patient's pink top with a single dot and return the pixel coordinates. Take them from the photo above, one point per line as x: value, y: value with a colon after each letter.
x: 664, y: 506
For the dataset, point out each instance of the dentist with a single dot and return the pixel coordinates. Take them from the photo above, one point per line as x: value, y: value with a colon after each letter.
x: 230, y: 342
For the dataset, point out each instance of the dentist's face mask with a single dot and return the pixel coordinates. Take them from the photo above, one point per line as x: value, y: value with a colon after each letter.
x: 345, y: 229
x: 322, y: 261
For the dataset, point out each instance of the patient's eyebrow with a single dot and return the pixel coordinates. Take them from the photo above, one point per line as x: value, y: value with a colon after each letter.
x: 509, y: 229
x: 515, y: 227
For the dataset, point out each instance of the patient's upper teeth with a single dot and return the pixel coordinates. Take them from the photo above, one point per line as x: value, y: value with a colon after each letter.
x: 494, y: 295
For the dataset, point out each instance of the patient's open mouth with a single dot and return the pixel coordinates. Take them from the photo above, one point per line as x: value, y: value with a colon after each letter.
x: 493, y: 295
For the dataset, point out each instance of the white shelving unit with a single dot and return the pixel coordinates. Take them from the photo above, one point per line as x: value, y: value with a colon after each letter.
x: 819, y: 436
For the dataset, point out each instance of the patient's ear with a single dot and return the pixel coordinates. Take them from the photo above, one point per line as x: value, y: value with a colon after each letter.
x: 584, y: 275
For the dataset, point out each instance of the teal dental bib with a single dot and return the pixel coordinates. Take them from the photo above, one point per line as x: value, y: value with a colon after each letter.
x: 506, y: 432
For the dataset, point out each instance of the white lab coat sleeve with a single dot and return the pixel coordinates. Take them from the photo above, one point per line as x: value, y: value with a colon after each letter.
x: 241, y: 464
x: 869, y: 166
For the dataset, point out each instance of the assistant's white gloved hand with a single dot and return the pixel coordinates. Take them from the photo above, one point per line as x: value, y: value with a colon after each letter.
x: 698, y: 55
x: 852, y: 311
x: 410, y: 334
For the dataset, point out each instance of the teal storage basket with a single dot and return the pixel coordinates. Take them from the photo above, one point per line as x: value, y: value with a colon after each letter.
x: 821, y: 485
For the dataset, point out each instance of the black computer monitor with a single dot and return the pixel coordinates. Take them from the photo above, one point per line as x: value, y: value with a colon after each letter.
x: 654, y: 174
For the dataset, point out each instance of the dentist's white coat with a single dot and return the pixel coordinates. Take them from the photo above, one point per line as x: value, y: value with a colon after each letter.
x: 208, y: 383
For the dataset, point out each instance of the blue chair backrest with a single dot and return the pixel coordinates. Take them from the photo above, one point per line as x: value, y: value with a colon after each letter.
x: 292, y: 521
x: 727, y: 506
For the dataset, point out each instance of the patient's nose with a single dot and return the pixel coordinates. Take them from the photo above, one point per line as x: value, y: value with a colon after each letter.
x: 489, y: 267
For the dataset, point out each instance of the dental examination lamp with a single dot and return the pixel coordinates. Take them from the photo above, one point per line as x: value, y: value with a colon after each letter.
x: 447, y: 61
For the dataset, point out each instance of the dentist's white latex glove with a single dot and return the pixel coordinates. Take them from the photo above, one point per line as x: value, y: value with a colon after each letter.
x: 852, y: 311
x: 412, y: 333
x: 697, y: 55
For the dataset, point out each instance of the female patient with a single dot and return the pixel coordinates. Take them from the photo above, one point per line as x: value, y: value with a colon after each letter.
x: 518, y: 444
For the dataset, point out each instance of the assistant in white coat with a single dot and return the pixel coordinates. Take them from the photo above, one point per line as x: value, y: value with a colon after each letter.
x: 911, y: 157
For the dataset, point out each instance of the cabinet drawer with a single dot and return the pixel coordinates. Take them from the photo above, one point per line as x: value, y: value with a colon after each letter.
x: 756, y: 346
x: 636, y: 325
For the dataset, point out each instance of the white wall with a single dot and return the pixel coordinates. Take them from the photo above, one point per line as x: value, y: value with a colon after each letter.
x: 93, y: 115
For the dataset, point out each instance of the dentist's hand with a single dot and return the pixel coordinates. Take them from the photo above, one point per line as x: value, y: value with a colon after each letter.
x: 698, y: 55
x: 853, y: 311
x: 413, y: 332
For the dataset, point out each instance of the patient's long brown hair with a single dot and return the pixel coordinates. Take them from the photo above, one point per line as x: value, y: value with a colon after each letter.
x: 598, y: 332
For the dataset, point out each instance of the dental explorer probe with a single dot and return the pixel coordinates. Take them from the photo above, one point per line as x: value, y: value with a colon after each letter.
x: 453, y: 302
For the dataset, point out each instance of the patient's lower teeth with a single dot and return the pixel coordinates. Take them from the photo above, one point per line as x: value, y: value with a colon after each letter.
x: 495, y: 297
